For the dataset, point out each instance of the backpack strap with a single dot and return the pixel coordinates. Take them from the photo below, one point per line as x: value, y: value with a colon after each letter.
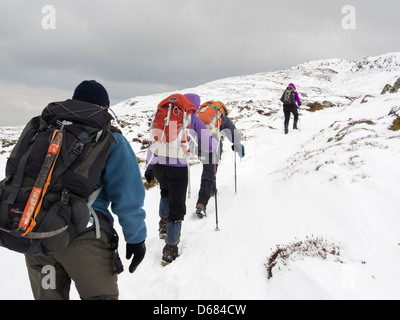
x: 166, y: 120
x: 37, y: 235
x: 22, y: 166
x: 19, y: 176
x: 102, y: 223
x: 92, y: 198
x: 3, y: 184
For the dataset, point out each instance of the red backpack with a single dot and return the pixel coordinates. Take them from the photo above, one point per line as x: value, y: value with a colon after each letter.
x: 169, y: 132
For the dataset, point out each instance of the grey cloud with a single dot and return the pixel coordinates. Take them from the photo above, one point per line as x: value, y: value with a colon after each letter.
x: 138, y: 47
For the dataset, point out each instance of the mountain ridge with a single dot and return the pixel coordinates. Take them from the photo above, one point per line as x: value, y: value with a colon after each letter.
x: 316, y: 213
x: 333, y: 82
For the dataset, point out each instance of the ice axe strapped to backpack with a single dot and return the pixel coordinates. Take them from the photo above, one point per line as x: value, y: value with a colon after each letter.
x: 50, y: 173
x: 32, y: 208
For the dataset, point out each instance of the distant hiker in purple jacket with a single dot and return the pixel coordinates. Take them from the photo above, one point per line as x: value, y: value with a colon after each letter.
x: 172, y: 175
x: 291, y: 103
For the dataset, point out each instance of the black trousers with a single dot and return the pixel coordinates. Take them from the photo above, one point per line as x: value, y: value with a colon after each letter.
x: 207, y: 180
x: 173, y: 184
x: 287, y: 110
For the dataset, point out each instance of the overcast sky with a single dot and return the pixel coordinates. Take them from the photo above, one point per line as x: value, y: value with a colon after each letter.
x: 140, y: 47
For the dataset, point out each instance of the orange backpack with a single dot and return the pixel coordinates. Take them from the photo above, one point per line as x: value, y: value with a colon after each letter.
x: 169, y: 132
x: 210, y: 113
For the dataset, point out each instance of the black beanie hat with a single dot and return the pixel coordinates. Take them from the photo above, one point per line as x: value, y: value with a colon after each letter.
x: 92, y: 92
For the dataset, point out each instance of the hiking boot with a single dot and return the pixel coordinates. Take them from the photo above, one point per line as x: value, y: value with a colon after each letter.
x: 162, y: 230
x: 201, y: 210
x: 295, y: 127
x: 170, y: 252
x: 286, y: 130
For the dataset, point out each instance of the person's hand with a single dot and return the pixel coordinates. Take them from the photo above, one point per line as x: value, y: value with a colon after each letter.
x: 138, y: 251
x: 239, y: 148
x: 149, y: 175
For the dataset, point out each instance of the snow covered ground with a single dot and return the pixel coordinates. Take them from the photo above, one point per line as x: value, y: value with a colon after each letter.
x: 332, y: 184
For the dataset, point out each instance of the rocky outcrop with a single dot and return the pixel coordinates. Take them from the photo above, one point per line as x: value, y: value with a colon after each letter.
x: 396, y: 86
x: 392, y: 89
x: 386, y: 89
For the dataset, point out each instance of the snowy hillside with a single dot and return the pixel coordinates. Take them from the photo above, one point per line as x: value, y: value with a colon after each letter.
x: 316, y: 215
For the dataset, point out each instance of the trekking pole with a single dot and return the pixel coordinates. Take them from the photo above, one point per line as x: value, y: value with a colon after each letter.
x: 235, y: 175
x: 189, y: 184
x: 298, y: 121
x: 215, y: 195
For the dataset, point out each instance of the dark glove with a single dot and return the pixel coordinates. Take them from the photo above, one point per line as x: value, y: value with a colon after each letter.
x: 239, y: 148
x: 149, y: 175
x: 138, y: 252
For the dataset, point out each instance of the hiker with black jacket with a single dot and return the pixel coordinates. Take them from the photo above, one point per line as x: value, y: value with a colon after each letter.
x: 291, y: 104
x: 92, y: 262
x: 211, y: 160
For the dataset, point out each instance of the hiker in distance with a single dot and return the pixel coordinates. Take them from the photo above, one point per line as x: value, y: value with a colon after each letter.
x: 167, y: 160
x: 215, y: 116
x: 91, y: 260
x: 291, y: 104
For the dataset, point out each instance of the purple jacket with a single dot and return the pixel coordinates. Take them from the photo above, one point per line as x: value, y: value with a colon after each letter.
x: 296, y: 94
x: 198, y: 128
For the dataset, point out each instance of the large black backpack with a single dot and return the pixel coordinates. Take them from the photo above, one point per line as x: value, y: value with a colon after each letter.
x: 289, y: 97
x: 63, y: 212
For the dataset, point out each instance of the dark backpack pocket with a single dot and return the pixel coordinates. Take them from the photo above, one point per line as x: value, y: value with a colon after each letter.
x: 80, y: 214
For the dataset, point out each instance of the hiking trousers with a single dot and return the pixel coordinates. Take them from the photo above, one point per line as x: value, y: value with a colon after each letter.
x: 207, y: 181
x: 287, y: 110
x: 173, y: 184
x: 89, y: 262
